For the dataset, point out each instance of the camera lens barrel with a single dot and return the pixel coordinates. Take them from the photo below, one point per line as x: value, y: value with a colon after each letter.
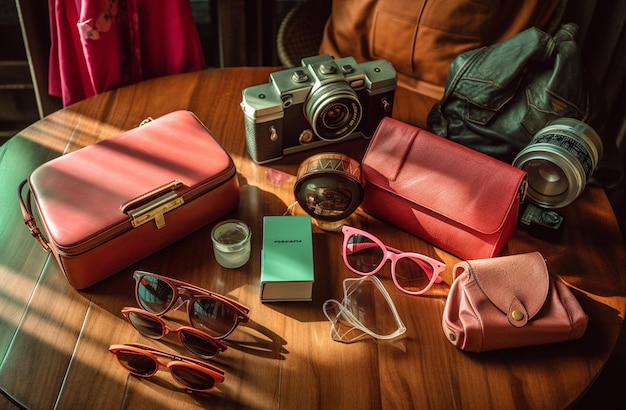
x: 559, y: 160
x: 334, y: 111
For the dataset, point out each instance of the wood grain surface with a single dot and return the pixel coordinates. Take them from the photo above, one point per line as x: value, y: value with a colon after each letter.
x: 54, y: 340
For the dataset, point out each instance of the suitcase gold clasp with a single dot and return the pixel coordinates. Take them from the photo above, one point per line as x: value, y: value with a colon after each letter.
x: 155, y: 210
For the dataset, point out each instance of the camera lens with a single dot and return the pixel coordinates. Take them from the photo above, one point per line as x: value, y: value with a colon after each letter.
x: 333, y: 110
x: 336, y: 116
x: 546, y: 177
x: 559, y: 160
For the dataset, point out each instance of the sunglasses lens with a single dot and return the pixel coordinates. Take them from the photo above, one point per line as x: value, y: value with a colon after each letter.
x: 213, y: 317
x: 146, y: 325
x: 367, y: 309
x: 137, y: 363
x: 153, y: 294
x: 343, y: 326
x: 198, y: 345
x: 413, y: 274
x: 363, y: 254
x: 192, y: 378
x: 369, y: 306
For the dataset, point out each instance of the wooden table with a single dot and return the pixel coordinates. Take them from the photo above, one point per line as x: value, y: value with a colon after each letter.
x: 54, y: 339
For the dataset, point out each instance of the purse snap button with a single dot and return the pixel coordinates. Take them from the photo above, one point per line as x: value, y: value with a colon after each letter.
x: 451, y: 335
x: 517, y: 315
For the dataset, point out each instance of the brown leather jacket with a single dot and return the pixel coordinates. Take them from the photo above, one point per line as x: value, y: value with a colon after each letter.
x: 421, y: 38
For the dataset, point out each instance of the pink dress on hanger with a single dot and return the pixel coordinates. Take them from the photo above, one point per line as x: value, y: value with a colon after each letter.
x: 98, y: 45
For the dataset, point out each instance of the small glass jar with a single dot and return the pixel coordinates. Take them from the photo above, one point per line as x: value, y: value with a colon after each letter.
x: 231, y: 243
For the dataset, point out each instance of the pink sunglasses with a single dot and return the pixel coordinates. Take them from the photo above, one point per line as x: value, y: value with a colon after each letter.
x: 412, y: 273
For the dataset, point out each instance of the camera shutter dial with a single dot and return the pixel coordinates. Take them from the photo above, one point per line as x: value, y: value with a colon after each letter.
x: 299, y: 76
x: 327, y: 68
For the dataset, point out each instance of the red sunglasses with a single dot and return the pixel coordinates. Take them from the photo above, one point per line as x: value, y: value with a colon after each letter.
x: 194, y: 340
x: 210, y: 312
x: 142, y: 361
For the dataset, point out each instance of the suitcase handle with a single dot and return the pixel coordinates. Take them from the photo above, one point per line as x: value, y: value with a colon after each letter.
x: 29, y: 219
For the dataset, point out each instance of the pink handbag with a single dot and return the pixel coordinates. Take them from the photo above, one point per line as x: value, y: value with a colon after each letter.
x: 458, y: 199
x: 509, y: 301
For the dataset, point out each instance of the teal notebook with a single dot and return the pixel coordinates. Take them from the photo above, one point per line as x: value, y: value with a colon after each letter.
x: 287, y: 259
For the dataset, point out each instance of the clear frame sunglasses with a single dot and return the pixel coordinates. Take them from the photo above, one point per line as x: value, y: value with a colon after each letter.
x: 366, y: 310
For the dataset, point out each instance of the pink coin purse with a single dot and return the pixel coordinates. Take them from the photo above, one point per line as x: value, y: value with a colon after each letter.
x: 509, y: 301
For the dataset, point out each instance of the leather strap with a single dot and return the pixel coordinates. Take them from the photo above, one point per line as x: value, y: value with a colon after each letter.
x: 29, y: 219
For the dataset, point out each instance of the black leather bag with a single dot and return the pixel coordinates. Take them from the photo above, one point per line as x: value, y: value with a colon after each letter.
x: 497, y: 97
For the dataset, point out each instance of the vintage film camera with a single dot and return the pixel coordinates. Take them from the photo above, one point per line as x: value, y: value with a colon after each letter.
x: 322, y: 102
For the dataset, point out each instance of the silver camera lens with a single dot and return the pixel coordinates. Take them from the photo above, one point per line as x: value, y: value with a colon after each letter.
x: 559, y: 160
x: 333, y: 110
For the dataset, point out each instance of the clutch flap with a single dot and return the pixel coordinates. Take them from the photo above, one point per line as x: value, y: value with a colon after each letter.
x: 517, y: 285
x: 442, y: 176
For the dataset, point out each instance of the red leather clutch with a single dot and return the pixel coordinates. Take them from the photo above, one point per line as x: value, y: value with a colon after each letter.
x: 509, y: 301
x: 111, y: 204
x: 458, y: 199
